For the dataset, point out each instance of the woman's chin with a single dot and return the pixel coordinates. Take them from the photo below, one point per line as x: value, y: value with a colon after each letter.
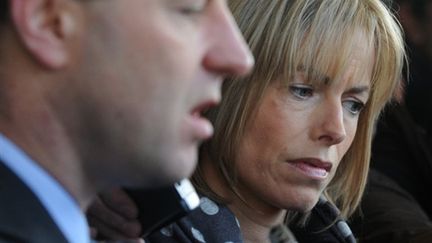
x: 304, y: 204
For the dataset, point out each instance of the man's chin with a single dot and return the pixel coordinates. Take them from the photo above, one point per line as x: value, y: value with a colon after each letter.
x: 167, y: 169
x: 186, y: 160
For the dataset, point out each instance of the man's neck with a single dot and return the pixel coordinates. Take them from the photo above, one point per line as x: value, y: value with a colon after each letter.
x: 38, y: 133
x: 28, y: 118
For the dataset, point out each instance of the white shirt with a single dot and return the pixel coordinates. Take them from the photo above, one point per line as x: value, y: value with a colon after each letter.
x: 61, y: 206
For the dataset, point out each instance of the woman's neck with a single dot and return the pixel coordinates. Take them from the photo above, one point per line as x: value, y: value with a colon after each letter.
x: 255, y: 223
x: 256, y: 218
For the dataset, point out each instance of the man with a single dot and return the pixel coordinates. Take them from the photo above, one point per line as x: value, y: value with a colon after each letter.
x: 95, y: 94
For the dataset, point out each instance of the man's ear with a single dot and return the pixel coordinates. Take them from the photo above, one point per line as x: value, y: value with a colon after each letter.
x: 45, y: 28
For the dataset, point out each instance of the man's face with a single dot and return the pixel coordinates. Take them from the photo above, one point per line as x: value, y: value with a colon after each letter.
x: 146, y: 71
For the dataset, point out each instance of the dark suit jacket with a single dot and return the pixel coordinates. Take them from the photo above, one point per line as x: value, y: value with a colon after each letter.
x: 22, y: 216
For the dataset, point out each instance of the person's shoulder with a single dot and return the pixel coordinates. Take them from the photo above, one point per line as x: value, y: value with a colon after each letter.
x: 22, y: 216
x: 8, y: 237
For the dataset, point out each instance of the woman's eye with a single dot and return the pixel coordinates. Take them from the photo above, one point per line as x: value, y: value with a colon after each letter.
x: 353, y: 106
x: 301, y: 92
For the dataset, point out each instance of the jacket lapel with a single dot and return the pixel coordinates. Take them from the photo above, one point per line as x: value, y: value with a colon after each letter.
x: 22, y: 216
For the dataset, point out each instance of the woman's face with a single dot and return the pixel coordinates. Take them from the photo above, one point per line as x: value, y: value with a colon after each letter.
x: 299, y: 135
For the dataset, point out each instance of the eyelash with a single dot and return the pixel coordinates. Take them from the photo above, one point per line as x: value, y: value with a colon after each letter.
x: 301, y: 92
x: 190, y: 11
x: 354, y: 107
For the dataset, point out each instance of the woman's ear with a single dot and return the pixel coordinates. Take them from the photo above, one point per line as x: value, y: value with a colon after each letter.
x: 44, y: 28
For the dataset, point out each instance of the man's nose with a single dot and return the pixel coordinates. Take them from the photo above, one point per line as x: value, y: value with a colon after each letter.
x: 229, y: 54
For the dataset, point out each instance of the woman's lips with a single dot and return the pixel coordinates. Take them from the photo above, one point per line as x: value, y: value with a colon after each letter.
x: 313, y: 168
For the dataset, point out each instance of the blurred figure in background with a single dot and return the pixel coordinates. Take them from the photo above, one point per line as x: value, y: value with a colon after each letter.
x: 397, y: 206
x: 416, y: 19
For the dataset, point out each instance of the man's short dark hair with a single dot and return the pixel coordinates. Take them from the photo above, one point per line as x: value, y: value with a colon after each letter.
x: 4, y: 10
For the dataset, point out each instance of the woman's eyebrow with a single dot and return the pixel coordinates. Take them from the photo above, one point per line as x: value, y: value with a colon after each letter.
x: 359, y: 89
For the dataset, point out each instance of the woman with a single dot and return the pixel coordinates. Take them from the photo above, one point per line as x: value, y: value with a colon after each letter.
x: 300, y: 126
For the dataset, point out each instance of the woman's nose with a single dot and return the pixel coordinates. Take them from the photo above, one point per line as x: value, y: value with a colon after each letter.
x: 330, y: 126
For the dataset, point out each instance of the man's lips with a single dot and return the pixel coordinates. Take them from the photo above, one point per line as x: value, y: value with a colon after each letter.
x: 312, y: 167
x: 202, y: 107
x: 201, y: 127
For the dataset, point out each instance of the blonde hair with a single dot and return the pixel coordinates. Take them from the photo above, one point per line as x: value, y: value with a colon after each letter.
x: 317, y: 36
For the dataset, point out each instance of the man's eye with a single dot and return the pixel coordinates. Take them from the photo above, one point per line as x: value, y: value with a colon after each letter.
x: 190, y: 11
x: 353, y: 106
x: 301, y: 92
x: 194, y: 7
